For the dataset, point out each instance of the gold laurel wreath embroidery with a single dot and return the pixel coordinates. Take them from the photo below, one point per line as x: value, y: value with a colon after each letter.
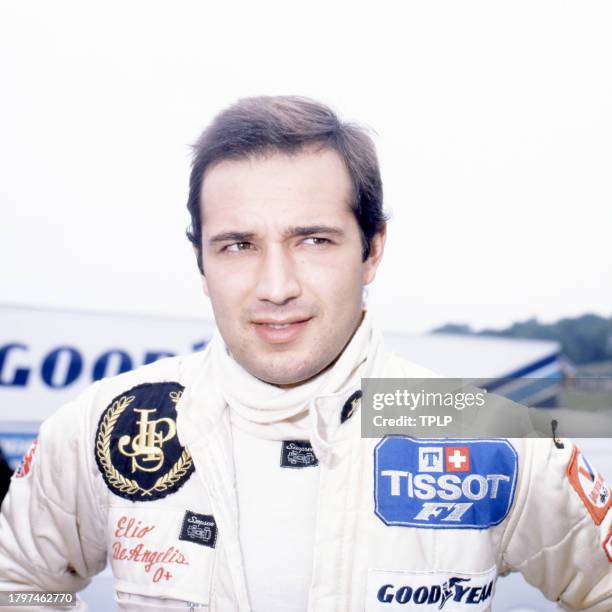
x: 179, y: 469
x: 115, y: 478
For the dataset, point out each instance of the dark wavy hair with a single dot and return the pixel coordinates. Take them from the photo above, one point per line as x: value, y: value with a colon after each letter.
x: 287, y: 124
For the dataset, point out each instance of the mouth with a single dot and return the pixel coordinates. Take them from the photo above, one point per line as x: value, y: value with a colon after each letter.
x: 278, y: 331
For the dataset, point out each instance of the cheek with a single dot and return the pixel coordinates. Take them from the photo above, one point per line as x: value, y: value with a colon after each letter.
x: 229, y: 285
x: 336, y: 279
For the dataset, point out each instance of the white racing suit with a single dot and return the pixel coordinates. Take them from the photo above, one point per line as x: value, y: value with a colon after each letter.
x: 402, y: 524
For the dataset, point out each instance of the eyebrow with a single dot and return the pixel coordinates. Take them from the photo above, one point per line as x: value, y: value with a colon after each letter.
x: 233, y: 236
x: 307, y: 230
x: 291, y: 232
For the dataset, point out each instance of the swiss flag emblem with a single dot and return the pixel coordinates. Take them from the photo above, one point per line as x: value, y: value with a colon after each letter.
x: 457, y: 458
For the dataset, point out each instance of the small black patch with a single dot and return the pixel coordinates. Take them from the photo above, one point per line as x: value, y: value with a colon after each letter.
x: 558, y: 443
x: 297, y: 454
x: 351, y: 404
x: 137, y: 450
x: 199, y: 529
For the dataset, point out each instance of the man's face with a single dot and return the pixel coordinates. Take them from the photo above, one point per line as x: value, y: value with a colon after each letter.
x: 282, y: 258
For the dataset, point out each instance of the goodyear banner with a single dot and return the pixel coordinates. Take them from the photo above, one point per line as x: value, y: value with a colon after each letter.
x: 47, y: 356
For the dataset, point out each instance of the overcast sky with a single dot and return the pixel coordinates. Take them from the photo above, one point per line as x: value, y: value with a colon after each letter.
x: 493, y: 123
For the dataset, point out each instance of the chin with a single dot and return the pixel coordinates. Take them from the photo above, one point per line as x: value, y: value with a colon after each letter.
x: 287, y: 376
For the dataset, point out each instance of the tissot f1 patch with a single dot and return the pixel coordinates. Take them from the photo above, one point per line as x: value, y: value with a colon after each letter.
x: 199, y: 529
x: 26, y: 463
x: 590, y: 486
x: 297, y: 454
x: 137, y: 449
x: 428, y: 591
x: 444, y: 483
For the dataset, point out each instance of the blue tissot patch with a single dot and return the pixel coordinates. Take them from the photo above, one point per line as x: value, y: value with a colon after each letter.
x: 442, y: 483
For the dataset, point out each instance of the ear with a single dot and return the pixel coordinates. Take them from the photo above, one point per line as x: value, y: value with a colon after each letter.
x: 377, y: 247
x: 204, y: 283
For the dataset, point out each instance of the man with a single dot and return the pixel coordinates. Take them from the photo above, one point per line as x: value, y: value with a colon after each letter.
x: 237, y: 479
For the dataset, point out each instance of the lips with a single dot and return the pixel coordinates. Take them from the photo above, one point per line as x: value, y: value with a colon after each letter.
x: 274, y: 331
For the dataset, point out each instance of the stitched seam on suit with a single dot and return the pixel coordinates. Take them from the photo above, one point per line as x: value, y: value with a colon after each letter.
x: 508, y: 533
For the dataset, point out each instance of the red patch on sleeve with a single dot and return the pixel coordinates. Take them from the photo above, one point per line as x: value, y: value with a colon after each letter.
x: 26, y: 463
x: 607, y: 545
x: 590, y: 486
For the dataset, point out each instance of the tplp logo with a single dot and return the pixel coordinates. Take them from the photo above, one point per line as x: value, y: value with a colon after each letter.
x: 467, y: 483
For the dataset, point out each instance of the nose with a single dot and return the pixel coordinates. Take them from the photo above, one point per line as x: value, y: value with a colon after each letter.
x: 277, y: 281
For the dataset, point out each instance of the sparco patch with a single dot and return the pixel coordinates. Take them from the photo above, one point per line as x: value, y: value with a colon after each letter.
x: 590, y: 486
x: 137, y: 449
x: 199, y: 529
x: 446, y: 591
x: 297, y: 454
x: 444, y: 484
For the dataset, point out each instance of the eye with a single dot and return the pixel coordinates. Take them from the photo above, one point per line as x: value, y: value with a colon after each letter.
x: 235, y: 247
x: 316, y: 240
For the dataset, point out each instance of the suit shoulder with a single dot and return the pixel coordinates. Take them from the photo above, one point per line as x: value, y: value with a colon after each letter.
x: 399, y: 367
x: 180, y: 369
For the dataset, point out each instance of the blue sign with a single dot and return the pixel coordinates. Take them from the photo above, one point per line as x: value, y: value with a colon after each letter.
x: 62, y: 366
x: 463, y: 483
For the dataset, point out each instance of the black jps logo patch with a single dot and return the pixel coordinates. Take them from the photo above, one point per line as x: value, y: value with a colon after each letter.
x: 350, y: 406
x: 199, y: 529
x: 297, y: 454
x: 137, y: 449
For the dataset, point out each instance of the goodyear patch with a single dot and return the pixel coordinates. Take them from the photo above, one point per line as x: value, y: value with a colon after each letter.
x: 444, y: 484
x: 590, y: 486
x: 430, y: 590
x: 137, y: 449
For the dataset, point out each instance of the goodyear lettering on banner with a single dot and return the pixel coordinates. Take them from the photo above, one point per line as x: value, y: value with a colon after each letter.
x: 590, y: 486
x: 137, y: 449
x: 452, y: 484
x: 428, y: 591
x: 63, y: 366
